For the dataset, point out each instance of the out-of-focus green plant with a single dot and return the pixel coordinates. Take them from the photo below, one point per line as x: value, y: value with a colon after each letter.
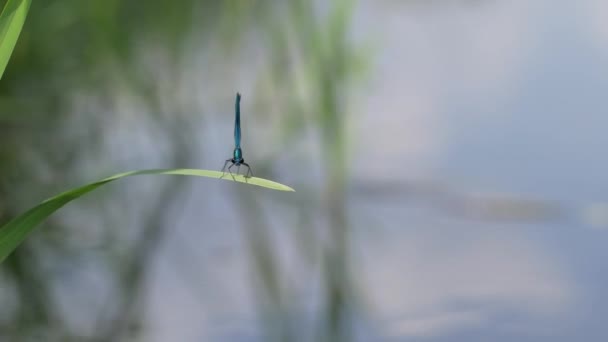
x: 330, y: 63
x: 98, y: 52
x: 312, y: 59
x: 13, y: 233
x: 12, y: 19
x: 312, y: 63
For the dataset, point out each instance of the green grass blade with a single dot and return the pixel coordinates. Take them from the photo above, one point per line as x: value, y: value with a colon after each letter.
x: 12, y: 19
x: 15, y: 231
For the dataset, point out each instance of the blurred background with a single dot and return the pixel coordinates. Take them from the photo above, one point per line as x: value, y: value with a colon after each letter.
x: 446, y: 156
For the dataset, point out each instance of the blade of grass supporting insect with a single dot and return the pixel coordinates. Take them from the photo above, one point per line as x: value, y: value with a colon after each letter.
x: 12, y: 19
x: 15, y: 231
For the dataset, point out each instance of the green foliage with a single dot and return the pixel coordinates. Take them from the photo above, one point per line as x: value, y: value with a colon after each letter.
x: 14, y: 232
x: 97, y: 52
x: 11, y: 21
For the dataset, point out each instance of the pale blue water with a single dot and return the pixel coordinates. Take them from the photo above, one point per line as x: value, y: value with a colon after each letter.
x: 494, y: 98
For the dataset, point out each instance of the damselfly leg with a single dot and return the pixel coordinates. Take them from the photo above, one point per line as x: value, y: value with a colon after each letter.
x: 249, y: 174
x: 224, y: 168
x: 226, y: 163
